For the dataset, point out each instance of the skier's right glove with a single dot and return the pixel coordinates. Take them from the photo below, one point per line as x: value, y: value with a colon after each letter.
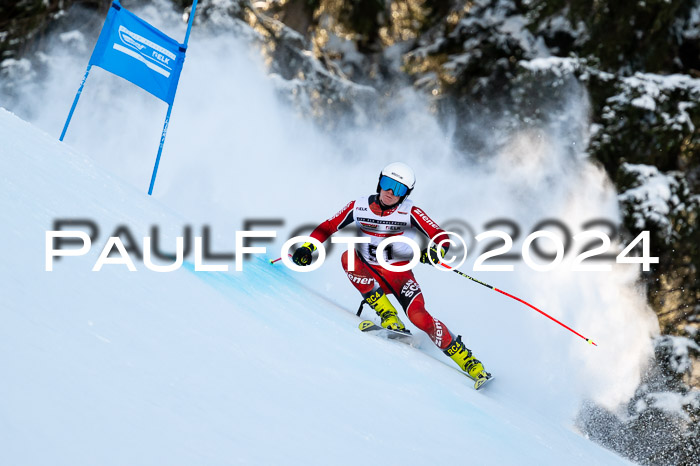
x: 302, y: 256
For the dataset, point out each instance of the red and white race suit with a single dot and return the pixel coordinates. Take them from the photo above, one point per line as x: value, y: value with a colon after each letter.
x: 377, y: 224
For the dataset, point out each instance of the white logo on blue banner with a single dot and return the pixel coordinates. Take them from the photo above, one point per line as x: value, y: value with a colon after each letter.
x: 151, y: 54
x: 138, y: 52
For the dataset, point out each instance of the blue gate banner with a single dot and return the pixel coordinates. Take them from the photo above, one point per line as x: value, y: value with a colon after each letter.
x: 138, y: 52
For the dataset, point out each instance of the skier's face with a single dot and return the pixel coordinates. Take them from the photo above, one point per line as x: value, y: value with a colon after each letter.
x: 388, y: 198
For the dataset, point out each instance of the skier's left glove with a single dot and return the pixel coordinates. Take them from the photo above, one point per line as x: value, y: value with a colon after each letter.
x: 431, y: 255
x: 302, y: 256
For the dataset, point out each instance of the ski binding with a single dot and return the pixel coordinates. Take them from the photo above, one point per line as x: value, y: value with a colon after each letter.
x: 481, y: 381
x: 401, y: 335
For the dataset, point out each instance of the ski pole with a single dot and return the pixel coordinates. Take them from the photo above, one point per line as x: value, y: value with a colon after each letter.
x: 517, y: 299
x: 278, y: 259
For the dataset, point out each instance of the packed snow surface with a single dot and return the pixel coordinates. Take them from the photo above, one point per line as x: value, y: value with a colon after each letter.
x: 266, y: 365
x: 253, y: 367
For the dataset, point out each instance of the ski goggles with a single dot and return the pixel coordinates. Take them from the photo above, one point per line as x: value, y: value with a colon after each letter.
x: 387, y: 184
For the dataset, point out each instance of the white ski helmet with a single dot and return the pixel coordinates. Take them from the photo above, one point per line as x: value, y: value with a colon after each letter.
x: 401, y: 173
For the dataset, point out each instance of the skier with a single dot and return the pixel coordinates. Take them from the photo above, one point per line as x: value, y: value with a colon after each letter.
x: 378, y: 216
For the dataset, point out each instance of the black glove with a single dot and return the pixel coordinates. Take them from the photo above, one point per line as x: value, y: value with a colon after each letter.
x: 302, y: 256
x: 431, y: 255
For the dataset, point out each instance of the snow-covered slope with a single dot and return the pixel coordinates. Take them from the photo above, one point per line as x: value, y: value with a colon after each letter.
x: 252, y: 367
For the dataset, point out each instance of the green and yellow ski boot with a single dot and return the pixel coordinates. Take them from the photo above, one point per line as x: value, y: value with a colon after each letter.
x: 467, y: 362
x: 379, y: 301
